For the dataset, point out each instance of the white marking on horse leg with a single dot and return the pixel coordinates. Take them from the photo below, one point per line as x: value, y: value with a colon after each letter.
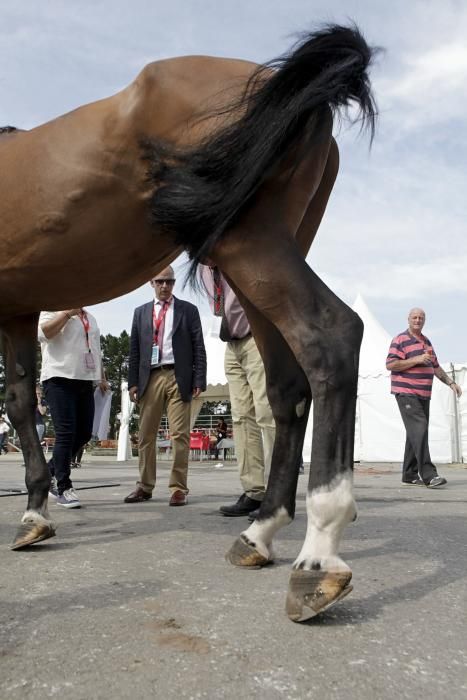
x: 33, y: 516
x: 261, y: 532
x: 329, y: 509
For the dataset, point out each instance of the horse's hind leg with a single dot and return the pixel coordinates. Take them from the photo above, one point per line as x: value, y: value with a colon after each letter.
x: 290, y: 399
x: 288, y: 389
x: 19, y: 344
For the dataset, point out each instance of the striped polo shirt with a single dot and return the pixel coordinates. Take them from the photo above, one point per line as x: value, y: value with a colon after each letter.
x: 417, y: 380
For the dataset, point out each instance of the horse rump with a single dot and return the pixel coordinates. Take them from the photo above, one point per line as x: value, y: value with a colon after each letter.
x: 201, y: 191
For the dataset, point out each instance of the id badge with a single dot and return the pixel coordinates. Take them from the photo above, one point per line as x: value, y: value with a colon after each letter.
x: 89, y: 363
x: 155, y: 355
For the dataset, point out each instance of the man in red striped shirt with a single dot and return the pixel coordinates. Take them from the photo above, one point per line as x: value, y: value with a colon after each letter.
x: 413, y: 363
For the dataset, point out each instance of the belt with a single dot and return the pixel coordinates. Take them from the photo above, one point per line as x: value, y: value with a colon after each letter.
x: 244, y: 337
x: 172, y: 366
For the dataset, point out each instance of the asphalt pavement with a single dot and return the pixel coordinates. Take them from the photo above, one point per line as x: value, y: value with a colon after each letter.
x: 137, y: 601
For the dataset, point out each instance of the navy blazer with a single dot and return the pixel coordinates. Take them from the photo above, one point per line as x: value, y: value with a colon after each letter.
x: 187, y: 343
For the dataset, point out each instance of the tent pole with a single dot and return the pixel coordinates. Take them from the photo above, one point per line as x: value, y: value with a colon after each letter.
x: 457, y: 446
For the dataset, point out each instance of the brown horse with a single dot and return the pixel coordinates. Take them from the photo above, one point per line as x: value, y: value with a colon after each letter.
x: 221, y: 158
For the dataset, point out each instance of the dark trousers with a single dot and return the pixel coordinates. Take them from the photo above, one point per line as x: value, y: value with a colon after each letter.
x: 415, y: 413
x: 71, y: 403
x: 3, y: 442
x: 78, y: 456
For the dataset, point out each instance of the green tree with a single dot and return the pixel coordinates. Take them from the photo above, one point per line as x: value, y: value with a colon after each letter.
x: 115, y: 357
x: 210, y: 408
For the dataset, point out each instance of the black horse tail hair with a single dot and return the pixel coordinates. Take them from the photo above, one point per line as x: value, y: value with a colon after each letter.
x: 201, y: 191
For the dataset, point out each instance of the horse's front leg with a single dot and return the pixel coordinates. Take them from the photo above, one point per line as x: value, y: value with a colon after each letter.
x: 20, y: 342
x: 290, y: 399
x: 324, y: 335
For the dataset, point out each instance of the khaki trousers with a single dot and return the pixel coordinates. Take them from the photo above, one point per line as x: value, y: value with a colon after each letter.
x: 162, y: 394
x: 253, y: 423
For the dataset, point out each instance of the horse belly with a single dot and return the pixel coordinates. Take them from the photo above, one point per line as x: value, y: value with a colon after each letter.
x: 72, y: 233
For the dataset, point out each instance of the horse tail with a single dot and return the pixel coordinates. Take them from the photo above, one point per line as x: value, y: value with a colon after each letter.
x: 201, y: 191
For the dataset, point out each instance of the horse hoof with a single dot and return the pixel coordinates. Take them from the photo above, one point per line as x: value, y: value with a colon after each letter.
x: 244, y: 553
x: 312, y: 592
x: 30, y: 533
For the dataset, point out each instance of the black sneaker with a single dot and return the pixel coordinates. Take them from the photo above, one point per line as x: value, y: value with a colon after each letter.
x: 243, y: 506
x: 436, y: 482
x: 414, y: 482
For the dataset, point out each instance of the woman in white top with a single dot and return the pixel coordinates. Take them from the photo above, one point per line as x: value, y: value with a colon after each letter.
x: 71, y: 365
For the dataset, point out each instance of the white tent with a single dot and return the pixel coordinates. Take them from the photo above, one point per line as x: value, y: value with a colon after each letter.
x: 460, y: 372
x: 217, y: 388
x: 124, y: 444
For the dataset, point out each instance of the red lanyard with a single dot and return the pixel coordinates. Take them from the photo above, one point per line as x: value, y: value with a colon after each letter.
x: 218, y: 292
x: 158, y: 320
x: 83, y: 317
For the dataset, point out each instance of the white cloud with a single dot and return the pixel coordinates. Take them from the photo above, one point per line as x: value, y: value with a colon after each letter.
x: 396, y: 220
x: 431, y: 90
x: 441, y: 70
x: 405, y: 280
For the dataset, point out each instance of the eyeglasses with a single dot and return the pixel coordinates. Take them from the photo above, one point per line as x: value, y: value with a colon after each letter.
x: 168, y: 282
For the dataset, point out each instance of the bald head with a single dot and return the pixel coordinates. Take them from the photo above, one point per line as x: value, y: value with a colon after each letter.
x: 416, y: 320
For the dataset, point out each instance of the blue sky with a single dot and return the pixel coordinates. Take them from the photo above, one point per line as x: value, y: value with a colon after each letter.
x: 395, y: 228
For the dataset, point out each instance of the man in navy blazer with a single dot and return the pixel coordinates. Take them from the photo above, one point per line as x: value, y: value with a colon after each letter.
x: 167, y: 369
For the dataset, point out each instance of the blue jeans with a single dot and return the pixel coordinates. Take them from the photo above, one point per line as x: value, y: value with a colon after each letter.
x: 71, y: 403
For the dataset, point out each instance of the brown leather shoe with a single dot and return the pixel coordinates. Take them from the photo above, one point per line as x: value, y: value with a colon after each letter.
x: 137, y: 496
x: 178, y: 498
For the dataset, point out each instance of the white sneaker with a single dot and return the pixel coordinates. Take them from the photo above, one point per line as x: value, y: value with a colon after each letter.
x: 68, y: 499
x: 436, y: 482
x: 219, y: 465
